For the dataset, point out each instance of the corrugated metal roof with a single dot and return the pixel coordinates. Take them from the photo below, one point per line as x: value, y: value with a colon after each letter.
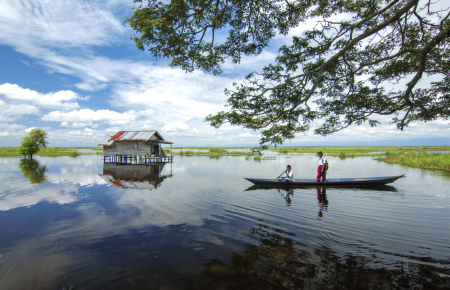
x: 107, y: 143
x: 144, y: 135
x: 132, y: 135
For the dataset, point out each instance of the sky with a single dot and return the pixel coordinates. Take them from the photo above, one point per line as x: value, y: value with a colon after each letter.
x: 71, y: 69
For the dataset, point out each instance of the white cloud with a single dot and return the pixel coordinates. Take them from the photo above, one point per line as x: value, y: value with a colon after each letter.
x: 58, y: 100
x: 175, y: 127
x: 173, y: 95
x: 249, y: 135
x: 11, y: 113
x: 75, y: 125
x: 178, y: 129
x: 87, y: 116
x: 11, y: 128
x: 66, y: 24
x: 250, y: 63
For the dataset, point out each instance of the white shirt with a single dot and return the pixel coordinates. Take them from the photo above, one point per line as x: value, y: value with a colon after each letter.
x: 322, y: 161
x: 289, y: 175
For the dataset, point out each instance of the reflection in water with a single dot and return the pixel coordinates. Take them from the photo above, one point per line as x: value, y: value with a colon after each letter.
x: 77, y: 229
x: 323, y: 201
x: 359, y: 187
x: 288, y: 194
x: 280, y: 262
x: 137, y: 176
x: 34, y: 172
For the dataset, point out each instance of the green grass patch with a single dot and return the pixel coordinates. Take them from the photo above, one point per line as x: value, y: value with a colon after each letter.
x: 437, y: 161
x: 349, y: 152
x: 209, y: 148
x: 341, y: 152
x: 211, y: 151
x: 51, y: 151
x: 183, y: 153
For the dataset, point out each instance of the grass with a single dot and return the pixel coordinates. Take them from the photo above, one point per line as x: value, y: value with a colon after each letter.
x: 212, y: 151
x: 50, y: 151
x: 213, y: 148
x: 346, y: 152
x: 440, y: 161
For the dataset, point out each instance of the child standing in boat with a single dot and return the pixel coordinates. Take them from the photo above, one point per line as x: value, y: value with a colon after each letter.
x: 288, y: 175
x: 321, y: 172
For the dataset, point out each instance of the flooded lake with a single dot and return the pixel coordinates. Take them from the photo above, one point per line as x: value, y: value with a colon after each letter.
x: 193, y: 225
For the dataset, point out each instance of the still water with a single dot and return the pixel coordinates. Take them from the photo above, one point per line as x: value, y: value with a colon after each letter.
x: 192, y: 225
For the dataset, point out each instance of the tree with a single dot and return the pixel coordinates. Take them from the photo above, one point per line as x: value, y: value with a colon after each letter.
x: 32, y: 142
x: 340, y: 73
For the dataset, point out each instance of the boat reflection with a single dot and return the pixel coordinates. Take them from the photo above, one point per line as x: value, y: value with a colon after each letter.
x: 134, y: 176
x: 279, y: 261
x: 33, y: 171
x: 288, y: 192
x: 361, y: 187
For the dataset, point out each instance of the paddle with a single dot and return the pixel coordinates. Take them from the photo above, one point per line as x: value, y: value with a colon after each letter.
x: 281, y: 174
x: 281, y: 193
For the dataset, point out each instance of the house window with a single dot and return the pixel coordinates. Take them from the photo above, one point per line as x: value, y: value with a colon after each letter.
x: 135, y: 145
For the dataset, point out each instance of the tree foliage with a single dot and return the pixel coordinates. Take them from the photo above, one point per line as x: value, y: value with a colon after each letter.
x: 32, y: 142
x: 362, y: 59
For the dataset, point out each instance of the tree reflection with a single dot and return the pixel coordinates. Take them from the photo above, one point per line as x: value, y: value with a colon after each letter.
x: 31, y: 170
x: 279, y: 262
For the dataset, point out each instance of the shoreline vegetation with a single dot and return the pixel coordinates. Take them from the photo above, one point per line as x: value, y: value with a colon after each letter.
x: 426, y: 157
x: 211, y: 151
x: 424, y: 160
x: 52, y: 151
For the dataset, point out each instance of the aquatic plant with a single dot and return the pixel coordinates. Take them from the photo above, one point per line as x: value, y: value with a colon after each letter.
x: 440, y: 161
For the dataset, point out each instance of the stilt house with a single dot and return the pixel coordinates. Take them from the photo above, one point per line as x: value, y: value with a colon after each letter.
x: 138, y: 146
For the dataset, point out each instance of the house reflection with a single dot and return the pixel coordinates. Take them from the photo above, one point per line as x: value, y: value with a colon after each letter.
x: 134, y: 176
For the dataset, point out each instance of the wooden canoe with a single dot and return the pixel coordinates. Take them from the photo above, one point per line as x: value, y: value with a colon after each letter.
x: 373, y: 181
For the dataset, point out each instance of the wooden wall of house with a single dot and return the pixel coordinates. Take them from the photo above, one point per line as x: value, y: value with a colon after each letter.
x: 155, y: 138
x: 128, y: 148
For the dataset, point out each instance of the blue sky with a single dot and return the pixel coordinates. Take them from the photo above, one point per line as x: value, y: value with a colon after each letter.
x: 71, y: 69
